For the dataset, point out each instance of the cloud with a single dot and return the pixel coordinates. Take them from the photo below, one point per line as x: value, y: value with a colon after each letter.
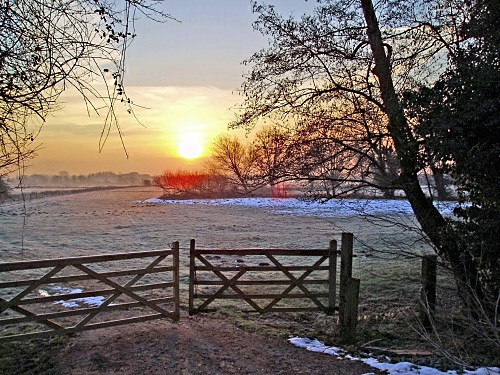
x: 70, y: 137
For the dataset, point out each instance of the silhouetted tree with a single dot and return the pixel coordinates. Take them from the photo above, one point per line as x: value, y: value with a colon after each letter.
x: 344, y: 68
x: 235, y: 161
x: 181, y: 183
x: 198, y: 184
x: 458, y: 121
x: 271, y: 147
x: 347, y: 148
x: 49, y: 46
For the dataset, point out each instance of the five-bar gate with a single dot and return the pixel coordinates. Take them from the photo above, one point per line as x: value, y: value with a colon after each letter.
x: 268, y: 280
x: 46, y: 297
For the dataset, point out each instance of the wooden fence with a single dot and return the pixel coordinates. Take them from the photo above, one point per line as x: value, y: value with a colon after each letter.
x: 47, y: 297
x: 36, y: 295
x: 255, y: 276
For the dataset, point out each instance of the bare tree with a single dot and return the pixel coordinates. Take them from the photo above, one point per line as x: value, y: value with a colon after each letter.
x: 235, y: 161
x: 344, y: 69
x: 271, y: 147
x: 49, y: 46
x: 349, y: 147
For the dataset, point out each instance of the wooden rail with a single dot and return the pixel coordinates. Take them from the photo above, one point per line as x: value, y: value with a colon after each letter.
x: 264, y: 282
x: 36, y: 295
x: 39, y: 298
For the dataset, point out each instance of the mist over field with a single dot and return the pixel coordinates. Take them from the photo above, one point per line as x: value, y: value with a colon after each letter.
x: 133, y: 219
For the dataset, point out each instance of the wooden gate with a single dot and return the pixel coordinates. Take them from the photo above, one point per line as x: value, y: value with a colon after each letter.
x: 112, y: 290
x: 266, y: 279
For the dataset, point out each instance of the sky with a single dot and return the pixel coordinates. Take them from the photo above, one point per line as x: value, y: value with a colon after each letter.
x: 188, y: 75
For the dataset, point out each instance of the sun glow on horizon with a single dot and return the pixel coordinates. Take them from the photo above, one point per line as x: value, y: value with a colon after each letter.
x: 190, y: 147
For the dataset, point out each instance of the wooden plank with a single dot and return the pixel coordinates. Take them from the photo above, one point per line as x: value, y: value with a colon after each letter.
x: 245, y: 252
x: 269, y: 306
x: 5, y: 305
x: 81, y: 311
x: 332, y: 277
x: 30, y: 315
x: 47, y: 263
x: 192, y: 276
x: 219, y: 293
x: 295, y: 309
x: 83, y: 277
x: 348, y: 317
x: 234, y: 287
x: 153, y: 286
x: 280, y: 296
x: 297, y: 282
x: 262, y: 282
x: 93, y: 293
x: 176, y: 276
x: 400, y: 352
x: 346, y: 251
x: 259, y: 268
x: 125, y: 289
x: 122, y: 290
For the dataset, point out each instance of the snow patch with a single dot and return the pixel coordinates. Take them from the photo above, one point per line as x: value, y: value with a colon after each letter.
x: 95, y: 301
x: 300, y: 207
x: 401, y: 368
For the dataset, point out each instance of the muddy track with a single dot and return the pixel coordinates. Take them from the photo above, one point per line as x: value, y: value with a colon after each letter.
x: 194, y: 345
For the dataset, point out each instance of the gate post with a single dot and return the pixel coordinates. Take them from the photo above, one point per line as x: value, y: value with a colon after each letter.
x: 348, y: 292
x: 349, y: 321
x: 345, y: 266
x: 175, y: 248
x: 192, y: 261
x: 332, y: 277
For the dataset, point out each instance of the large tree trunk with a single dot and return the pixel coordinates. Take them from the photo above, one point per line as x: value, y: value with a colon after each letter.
x: 433, y: 223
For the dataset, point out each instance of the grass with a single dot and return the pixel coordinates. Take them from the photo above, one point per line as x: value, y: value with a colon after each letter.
x: 35, y: 357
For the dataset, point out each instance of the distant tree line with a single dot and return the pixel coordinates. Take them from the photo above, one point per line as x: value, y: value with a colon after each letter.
x: 64, y: 179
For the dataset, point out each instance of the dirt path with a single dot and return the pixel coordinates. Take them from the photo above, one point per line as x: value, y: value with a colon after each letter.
x: 194, y: 345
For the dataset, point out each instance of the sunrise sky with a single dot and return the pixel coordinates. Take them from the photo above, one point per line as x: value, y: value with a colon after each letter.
x: 186, y: 73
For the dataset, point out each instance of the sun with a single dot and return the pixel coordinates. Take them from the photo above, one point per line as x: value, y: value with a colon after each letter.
x: 190, y: 148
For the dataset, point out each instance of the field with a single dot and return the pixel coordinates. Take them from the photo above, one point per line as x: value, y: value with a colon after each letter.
x: 132, y: 220
x: 127, y: 220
